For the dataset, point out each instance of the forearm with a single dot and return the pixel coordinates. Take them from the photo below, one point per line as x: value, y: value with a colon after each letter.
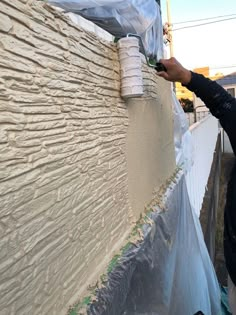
x: 215, y: 97
x: 221, y: 104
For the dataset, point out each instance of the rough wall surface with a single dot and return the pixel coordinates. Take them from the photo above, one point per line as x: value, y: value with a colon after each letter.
x: 64, y: 204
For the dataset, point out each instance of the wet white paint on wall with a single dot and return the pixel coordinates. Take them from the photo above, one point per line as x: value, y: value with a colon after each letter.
x: 65, y: 200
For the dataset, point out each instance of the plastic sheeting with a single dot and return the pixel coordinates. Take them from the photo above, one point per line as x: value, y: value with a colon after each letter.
x: 169, y: 273
x: 182, y: 137
x: 224, y: 301
x: 120, y: 17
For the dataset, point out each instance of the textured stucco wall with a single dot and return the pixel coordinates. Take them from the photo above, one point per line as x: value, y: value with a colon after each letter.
x: 65, y: 156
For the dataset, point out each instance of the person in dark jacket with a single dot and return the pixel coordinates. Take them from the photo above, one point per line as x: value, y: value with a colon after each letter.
x: 223, y: 106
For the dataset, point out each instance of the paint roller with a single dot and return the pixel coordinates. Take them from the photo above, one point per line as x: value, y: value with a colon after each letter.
x: 131, y: 65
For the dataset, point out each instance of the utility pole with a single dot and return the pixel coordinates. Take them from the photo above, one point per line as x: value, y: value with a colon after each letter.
x: 170, y: 27
x: 170, y: 36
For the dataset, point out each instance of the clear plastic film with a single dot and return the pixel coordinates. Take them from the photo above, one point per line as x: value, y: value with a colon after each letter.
x: 120, y: 17
x: 169, y: 273
x: 182, y: 137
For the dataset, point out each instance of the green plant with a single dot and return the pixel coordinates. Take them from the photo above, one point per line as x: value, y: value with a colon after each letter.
x: 75, y: 309
x: 113, y: 263
x: 187, y: 105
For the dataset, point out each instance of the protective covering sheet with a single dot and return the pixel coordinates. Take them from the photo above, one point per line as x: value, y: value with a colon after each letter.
x: 182, y: 137
x: 224, y: 301
x: 120, y: 17
x: 169, y: 273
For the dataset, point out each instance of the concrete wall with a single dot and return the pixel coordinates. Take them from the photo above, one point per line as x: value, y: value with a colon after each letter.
x: 208, y: 215
x: 203, y: 149
x: 76, y: 164
x: 226, y: 145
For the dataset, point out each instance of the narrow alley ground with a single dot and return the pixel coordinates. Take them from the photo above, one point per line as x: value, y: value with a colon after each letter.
x: 226, y: 166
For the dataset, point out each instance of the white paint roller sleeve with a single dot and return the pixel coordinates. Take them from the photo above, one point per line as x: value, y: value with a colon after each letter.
x: 130, y: 67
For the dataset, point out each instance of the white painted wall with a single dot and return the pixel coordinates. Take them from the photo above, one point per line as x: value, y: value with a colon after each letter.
x: 190, y: 118
x: 204, y: 135
x: 230, y: 86
x: 225, y: 143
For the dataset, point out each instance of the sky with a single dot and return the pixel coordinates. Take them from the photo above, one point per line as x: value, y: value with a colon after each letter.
x: 212, y: 45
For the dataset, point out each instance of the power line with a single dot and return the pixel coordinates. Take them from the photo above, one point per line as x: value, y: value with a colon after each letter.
x: 190, y: 26
x: 205, y: 19
x: 223, y: 67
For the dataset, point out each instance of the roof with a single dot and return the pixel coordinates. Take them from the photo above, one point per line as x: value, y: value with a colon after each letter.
x: 229, y: 79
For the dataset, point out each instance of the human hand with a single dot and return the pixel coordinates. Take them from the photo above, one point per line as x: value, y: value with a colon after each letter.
x: 175, y: 72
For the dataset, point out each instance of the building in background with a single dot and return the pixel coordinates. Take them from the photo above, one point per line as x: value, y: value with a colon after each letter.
x: 183, y: 92
x: 200, y: 110
x: 229, y: 83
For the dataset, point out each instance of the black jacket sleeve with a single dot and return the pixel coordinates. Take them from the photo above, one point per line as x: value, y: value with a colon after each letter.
x: 220, y: 103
